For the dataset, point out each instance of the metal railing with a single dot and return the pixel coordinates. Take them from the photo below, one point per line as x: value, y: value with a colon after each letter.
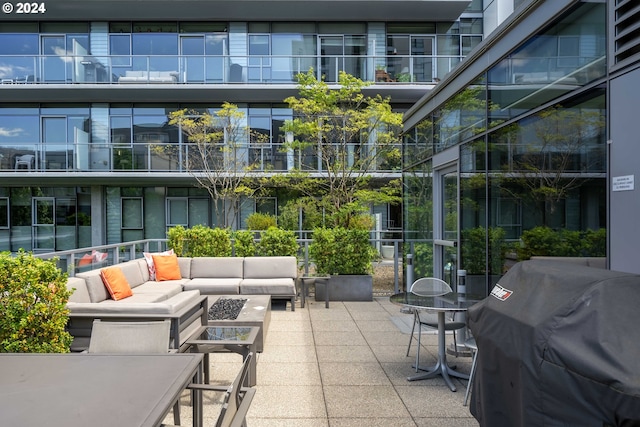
x: 82, y: 259
x: 219, y: 69
x: 158, y: 157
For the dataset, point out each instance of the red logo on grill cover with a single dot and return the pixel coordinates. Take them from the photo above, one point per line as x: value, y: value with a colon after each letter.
x: 501, y: 293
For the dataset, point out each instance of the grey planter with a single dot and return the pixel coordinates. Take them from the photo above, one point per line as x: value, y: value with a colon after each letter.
x: 346, y: 288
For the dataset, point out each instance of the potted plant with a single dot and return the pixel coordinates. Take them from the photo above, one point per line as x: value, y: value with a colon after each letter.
x: 345, y: 255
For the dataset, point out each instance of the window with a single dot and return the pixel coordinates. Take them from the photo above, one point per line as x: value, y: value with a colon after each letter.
x: 267, y: 205
x: 131, y: 213
x: 4, y: 212
x: 177, y: 211
x: 187, y: 211
x: 568, y: 51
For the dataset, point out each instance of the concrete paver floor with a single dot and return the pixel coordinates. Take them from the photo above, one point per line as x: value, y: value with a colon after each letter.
x: 341, y: 367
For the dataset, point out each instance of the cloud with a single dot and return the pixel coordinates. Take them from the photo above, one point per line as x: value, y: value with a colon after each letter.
x: 10, y: 132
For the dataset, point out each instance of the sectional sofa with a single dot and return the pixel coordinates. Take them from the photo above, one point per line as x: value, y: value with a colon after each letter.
x: 183, y: 299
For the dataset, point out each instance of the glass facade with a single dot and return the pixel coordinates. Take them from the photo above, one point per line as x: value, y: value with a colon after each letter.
x: 529, y: 136
x: 215, y: 53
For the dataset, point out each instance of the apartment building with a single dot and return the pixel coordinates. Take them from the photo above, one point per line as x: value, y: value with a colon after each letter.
x: 86, y: 88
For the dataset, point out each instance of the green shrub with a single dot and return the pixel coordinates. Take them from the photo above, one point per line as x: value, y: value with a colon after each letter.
x: 260, y: 221
x: 33, y: 298
x: 244, y: 243
x: 200, y: 241
x: 540, y: 241
x: 473, y: 250
x: 341, y: 251
x: 595, y: 242
x: 277, y: 242
x: 422, y: 260
x: 543, y: 241
x: 177, y: 238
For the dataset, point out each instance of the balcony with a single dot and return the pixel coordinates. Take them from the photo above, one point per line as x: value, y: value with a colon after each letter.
x: 220, y: 69
x: 152, y: 157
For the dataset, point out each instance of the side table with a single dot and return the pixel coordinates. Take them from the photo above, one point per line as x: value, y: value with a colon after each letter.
x: 305, y: 281
x: 219, y: 339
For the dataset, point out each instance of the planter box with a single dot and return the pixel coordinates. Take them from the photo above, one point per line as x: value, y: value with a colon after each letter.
x: 346, y: 288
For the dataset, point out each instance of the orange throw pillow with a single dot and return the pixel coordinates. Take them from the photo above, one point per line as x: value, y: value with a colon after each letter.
x: 167, y: 267
x: 116, y: 283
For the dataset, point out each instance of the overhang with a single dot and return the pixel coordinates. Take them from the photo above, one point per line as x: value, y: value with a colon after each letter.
x: 190, y: 93
x: 242, y: 10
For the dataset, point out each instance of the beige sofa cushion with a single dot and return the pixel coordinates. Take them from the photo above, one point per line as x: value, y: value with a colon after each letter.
x: 211, y: 286
x: 132, y: 271
x: 168, y: 287
x: 95, y: 287
x: 279, y: 287
x: 80, y: 294
x: 216, y: 267
x: 185, y: 267
x: 270, y: 267
x: 172, y: 305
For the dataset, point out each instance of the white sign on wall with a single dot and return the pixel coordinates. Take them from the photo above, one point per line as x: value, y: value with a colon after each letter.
x: 622, y: 183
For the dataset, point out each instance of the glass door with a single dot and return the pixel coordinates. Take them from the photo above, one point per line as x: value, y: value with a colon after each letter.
x: 421, y: 68
x: 192, y: 59
x: 446, y: 201
x: 331, y: 57
x: 54, y: 143
x: 54, y: 53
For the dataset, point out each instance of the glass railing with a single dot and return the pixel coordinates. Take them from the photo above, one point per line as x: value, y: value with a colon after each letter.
x: 182, y: 69
x: 159, y: 157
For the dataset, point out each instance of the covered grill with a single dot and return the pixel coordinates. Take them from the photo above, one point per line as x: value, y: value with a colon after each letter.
x: 558, y: 344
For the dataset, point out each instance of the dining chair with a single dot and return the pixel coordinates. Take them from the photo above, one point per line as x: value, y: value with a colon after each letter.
x: 471, y: 344
x: 431, y: 286
x: 132, y: 338
x: 237, y: 399
x: 24, y: 160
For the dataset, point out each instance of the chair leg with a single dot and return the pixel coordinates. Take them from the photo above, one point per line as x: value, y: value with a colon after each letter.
x: 176, y: 412
x: 471, y: 374
x: 413, y: 328
x: 418, y: 350
x: 455, y: 343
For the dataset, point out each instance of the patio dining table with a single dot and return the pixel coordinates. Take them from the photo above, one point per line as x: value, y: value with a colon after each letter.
x: 441, y: 304
x: 95, y: 389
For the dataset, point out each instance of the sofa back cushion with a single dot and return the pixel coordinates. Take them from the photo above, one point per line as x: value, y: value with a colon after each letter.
x: 270, y: 267
x: 185, y: 267
x: 216, y: 267
x: 79, y: 288
x: 95, y: 287
x: 132, y: 271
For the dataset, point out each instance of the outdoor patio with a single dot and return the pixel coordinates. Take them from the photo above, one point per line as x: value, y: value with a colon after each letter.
x: 342, y: 366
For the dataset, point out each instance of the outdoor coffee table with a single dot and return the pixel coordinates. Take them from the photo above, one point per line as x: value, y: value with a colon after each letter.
x: 222, y: 339
x: 256, y: 312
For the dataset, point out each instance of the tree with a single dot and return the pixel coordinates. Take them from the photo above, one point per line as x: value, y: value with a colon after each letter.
x: 345, y: 140
x: 219, y: 156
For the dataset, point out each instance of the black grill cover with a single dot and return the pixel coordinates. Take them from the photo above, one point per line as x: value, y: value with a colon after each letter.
x: 562, y: 349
